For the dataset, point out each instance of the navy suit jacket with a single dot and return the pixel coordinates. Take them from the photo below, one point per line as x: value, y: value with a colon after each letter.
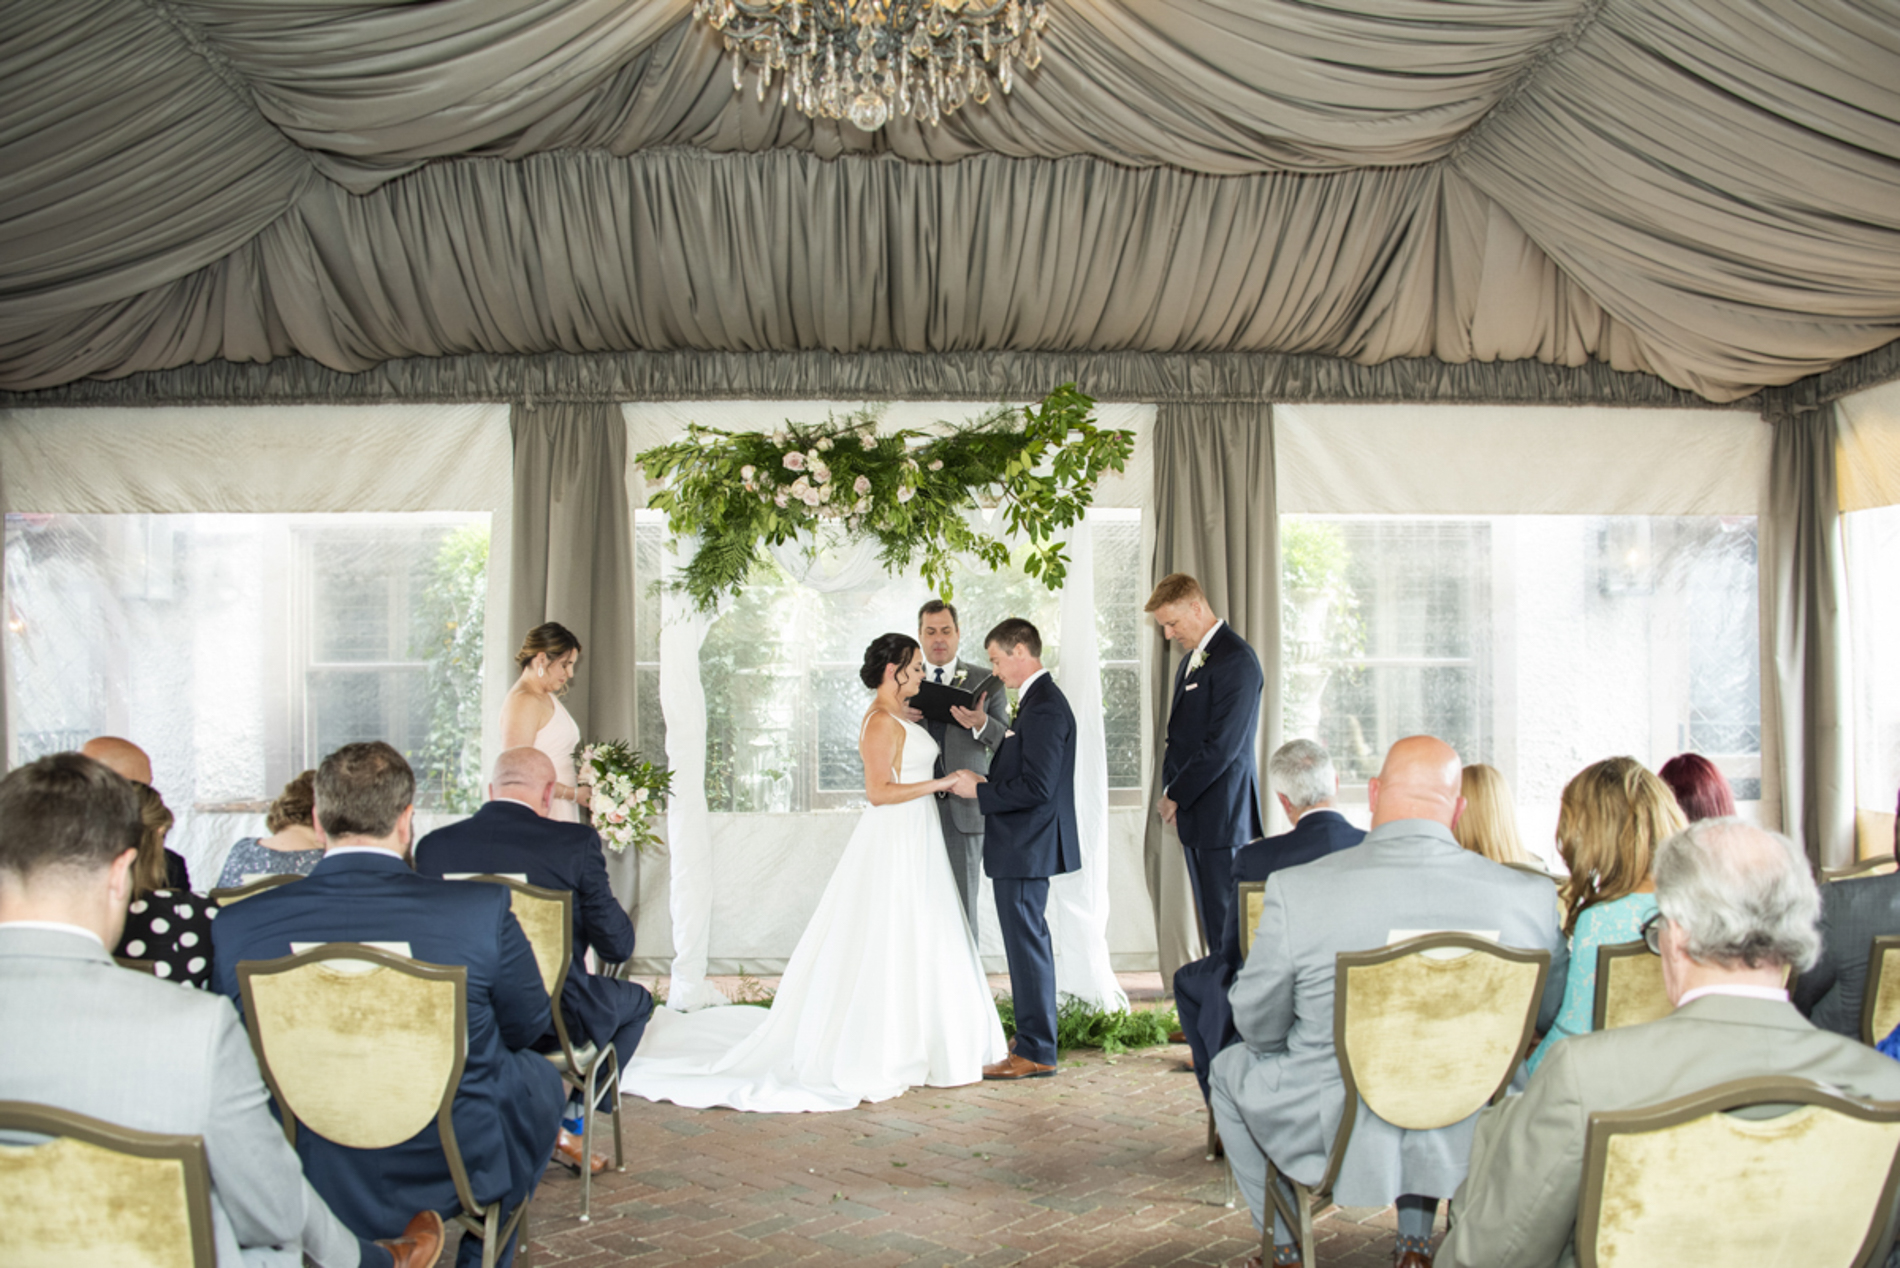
x: 508, y: 837
x: 1028, y: 801
x: 375, y: 897
x: 1317, y: 834
x: 1208, y: 766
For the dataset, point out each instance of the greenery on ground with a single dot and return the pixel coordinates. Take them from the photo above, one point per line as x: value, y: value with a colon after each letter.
x: 1081, y: 1025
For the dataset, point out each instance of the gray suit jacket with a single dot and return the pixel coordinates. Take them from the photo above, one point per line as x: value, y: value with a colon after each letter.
x: 963, y: 751
x: 1519, y: 1206
x: 1853, y: 914
x: 87, y: 1035
x: 1410, y: 875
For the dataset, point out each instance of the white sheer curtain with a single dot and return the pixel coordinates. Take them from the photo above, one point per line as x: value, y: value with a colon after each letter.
x: 1078, y: 901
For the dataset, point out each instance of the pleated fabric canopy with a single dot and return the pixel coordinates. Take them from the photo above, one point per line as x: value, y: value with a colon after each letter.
x: 1709, y: 193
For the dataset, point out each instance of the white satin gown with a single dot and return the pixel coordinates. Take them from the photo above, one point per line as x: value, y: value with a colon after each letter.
x: 558, y: 739
x: 884, y: 991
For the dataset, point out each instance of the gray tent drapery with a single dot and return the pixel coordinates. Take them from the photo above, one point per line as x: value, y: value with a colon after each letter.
x: 572, y: 557
x: 1807, y: 582
x: 1700, y: 192
x: 1216, y: 520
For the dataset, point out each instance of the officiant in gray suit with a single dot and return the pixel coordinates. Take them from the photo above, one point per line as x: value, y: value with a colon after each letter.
x: 965, y: 746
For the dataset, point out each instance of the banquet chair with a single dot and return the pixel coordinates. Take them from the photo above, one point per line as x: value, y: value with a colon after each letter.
x: 136, y: 965
x: 1880, y: 865
x: 1533, y: 870
x: 1427, y: 1032
x: 53, y: 1193
x: 229, y: 894
x: 1880, y: 997
x: 547, y: 917
x: 1771, y: 1170
x: 366, y: 1048
x: 1249, y: 896
x: 1629, y: 986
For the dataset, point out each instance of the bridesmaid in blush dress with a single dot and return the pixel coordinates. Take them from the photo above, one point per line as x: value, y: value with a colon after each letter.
x: 533, y: 717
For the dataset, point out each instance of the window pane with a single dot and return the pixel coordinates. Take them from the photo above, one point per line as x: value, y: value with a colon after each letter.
x: 1538, y: 644
x: 1873, y: 601
x: 239, y: 649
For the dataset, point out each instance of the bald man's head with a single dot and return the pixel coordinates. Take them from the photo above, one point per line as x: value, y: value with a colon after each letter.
x: 1421, y: 779
x: 523, y: 774
x: 122, y: 757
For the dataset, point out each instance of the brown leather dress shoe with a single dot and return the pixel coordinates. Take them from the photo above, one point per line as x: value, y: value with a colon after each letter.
x: 420, y: 1244
x: 1412, y: 1259
x: 1015, y: 1067
x: 568, y: 1152
x: 1177, y: 1036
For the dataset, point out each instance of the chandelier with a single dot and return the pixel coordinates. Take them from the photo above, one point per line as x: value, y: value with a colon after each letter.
x: 868, y: 60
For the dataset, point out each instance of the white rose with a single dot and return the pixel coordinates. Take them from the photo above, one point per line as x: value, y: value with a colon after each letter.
x: 906, y: 493
x: 800, y: 485
x: 794, y: 461
x: 779, y: 499
x: 824, y: 443
x: 748, y: 471
x: 820, y: 472
x: 641, y: 794
x: 861, y: 485
x: 937, y: 465
x: 868, y: 441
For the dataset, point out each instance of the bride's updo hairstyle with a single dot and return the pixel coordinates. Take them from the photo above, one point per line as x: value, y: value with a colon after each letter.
x: 553, y: 638
x: 885, y: 649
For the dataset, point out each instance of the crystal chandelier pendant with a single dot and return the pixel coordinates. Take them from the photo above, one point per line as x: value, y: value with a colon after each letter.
x: 870, y: 60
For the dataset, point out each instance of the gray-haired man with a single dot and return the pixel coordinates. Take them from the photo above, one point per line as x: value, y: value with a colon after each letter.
x: 1737, y: 910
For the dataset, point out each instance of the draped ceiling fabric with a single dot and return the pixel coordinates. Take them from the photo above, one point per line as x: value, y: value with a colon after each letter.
x: 1709, y: 194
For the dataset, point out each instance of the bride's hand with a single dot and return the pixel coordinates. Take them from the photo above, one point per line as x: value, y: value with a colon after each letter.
x: 584, y: 795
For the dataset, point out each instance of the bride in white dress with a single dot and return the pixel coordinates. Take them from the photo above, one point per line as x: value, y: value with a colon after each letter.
x: 884, y: 991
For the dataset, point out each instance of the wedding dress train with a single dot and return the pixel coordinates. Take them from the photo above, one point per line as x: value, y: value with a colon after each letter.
x: 884, y: 991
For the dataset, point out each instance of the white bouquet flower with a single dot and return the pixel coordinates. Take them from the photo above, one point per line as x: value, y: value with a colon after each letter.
x: 628, y: 794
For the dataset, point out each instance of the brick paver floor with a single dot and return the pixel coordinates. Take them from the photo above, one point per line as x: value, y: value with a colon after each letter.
x: 1101, y: 1165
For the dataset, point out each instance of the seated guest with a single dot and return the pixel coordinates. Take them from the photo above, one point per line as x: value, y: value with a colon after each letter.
x: 1613, y: 816
x: 129, y: 761
x: 169, y: 927
x: 1279, y: 1094
x: 1489, y: 824
x: 514, y: 834
x: 1738, y: 908
x: 88, y: 1036
x: 291, y: 848
x: 1853, y: 914
x: 1302, y: 776
x: 508, y: 1107
x: 1699, y: 788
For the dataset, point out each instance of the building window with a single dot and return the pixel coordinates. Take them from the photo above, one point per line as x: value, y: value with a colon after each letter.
x: 1872, y: 542
x: 1538, y: 644
x: 239, y: 649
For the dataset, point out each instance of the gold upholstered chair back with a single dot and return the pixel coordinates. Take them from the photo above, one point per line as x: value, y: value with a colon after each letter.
x: 1629, y: 986
x: 97, y: 1193
x: 1431, y: 1029
x: 546, y: 916
x: 1880, y: 865
x: 1249, y: 898
x: 1880, y: 997
x: 225, y: 895
x: 1800, y: 1175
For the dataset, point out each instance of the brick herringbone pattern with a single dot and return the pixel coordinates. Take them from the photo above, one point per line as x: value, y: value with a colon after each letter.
x: 1099, y: 1166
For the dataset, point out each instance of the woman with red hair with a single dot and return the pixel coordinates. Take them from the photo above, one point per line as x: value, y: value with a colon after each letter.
x: 1699, y: 787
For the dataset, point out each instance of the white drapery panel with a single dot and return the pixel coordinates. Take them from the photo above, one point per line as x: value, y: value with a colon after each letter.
x: 1509, y: 460
x: 1078, y: 901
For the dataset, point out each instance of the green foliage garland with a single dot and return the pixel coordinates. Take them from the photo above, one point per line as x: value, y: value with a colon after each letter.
x: 1080, y: 1024
x: 741, y: 492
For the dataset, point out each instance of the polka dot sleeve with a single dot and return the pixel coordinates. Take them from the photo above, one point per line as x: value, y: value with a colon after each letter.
x: 172, y: 929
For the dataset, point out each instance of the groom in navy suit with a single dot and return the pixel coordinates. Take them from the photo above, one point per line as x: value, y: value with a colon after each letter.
x: 1028, y: 804
x: 1211, y: 791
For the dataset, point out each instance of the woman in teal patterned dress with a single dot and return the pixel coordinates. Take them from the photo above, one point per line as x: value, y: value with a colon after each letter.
x: 1614, y: 815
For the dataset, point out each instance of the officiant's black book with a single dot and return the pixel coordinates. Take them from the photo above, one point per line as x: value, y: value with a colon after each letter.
x: 935, y: 698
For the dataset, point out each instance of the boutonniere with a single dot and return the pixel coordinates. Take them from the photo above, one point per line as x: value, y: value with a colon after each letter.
x: 1198, y: 659
x: 961, y: 675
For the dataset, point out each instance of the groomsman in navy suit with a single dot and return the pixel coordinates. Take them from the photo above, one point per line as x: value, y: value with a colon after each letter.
x: 508, y: 1107
x: 1210, y: 790
x: 1028, y: 804
x: 512, y: 835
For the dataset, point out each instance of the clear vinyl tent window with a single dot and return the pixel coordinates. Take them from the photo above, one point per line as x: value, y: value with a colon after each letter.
x: 1871, y: 540
x: 239, y: 649
x: 1535, y: 643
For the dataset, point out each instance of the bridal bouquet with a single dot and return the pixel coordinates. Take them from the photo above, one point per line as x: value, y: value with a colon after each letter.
x: 628, y: 793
